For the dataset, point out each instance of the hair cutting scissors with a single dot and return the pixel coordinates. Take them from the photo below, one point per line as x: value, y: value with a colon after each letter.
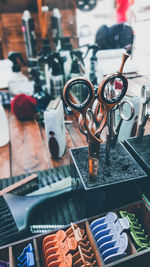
x: 145, y: 112
x: 94, y: 109
x: 122, y: 107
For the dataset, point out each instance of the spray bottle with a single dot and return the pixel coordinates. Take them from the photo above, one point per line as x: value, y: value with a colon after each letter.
x: 94, y: 78
x: 77, y: 66
x: 56, y: 27
x: 39, y: 93
x: 46, y: 56
x: 65, y: 54
x: 57, y: 79
x: 18, y: 83
x: 29, y: 34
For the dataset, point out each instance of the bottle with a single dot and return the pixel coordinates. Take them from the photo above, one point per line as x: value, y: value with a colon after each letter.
x: 75, y: 72
x: 29, y: 34
x: 56, y: 27
x: 39, y: 93
x: 65, y: 54
x: 46, y: 56
x: 18, y: 83
x: 55, y: 128
x: 57, y: 81
x: 4, y: 132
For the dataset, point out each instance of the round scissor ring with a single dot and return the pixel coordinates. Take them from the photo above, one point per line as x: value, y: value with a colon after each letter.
x: 115, y: 99
x: 69, y: 99
x: 145, y: 94
x: 132, y: 112
x: 96, y: 133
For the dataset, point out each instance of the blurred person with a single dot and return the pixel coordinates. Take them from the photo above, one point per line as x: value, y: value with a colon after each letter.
x: 124, y: 11
x: 122, y: 7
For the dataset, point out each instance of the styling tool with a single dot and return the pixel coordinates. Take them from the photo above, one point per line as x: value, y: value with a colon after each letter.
x: 110, y: 94
x: 95, y: 110
x: 26, y: 258
x: 18, y: 184
x: 113, y: 230
x: 110, y: 217
x: 16, y: 210
x: 29, y: 34
x: 56, y: 248
x: 86, y: 124
x: 44, y: 178
x: 145, y: 112
x: 4, y: 264
x: 41, y: 229
x: 80, y: 251
x: 108, y: 232
x: 123, y: 117
x: 64, y: 183
x: 137, y: 232
x: 115, y: 249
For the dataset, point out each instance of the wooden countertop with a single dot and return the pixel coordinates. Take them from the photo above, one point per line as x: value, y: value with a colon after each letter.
x: 27, y: 150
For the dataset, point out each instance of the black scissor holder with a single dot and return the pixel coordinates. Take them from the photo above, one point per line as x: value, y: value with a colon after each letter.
x: 122, y: 167
x: 139, y: 149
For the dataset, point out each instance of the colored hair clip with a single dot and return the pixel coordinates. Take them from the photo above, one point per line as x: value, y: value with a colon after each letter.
x: 26, y: 258
x: 4, y: 264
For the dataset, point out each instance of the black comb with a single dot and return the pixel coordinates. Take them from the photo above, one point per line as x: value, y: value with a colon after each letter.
x: 16, y: 210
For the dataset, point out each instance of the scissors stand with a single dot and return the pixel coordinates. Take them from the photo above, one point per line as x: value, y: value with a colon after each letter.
x: 139, y: 149
x: 122, y: 168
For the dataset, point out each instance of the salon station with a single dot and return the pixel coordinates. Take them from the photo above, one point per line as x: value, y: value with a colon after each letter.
x: 74, y: 133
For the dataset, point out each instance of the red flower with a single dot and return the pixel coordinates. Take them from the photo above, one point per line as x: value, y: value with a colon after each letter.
x: 24, y: 107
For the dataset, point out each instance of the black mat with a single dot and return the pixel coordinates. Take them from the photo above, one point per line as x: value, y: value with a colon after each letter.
x: 140, y: 150
x: 122, y: 167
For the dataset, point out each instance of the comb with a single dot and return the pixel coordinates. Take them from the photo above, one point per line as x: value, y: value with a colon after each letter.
x: 15, y: 212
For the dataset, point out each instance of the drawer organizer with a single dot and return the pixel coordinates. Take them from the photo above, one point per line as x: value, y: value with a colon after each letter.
x: 90, y: 242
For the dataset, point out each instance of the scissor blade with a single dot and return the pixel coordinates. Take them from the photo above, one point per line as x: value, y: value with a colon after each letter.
x: 109, y: 135
x: 141, y: 128
x: 93, y: 150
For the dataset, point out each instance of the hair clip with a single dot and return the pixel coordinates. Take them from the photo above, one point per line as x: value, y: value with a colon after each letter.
x: 56, y: 248
x: 4, y: 264
x: 26, y: 258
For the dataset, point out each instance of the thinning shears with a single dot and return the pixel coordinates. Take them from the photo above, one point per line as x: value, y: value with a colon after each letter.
x: 145, y: 112
x: 94, y: 109
x: 123, y: 106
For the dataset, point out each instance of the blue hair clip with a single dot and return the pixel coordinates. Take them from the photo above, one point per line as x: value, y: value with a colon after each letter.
x: 4, y: 264
x: 26, y: 258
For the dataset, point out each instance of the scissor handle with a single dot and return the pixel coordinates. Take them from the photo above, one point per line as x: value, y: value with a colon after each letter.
x: 145, y: 94
x: 98, y: 110
x: 95, y: 133
x: 124, y: 58
x: 116, y: 99
x: 103, y: 89
x: 70, y: 99
x: 121, y: 112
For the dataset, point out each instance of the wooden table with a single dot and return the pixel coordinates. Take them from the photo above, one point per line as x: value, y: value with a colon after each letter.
x: 28, y: 151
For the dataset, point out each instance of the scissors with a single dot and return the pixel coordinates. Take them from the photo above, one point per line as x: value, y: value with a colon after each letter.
x: 86, y: 120
x: 94, y: 109
x: 145, y: 113
x: 110, y: 92
x: 122, y: 107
